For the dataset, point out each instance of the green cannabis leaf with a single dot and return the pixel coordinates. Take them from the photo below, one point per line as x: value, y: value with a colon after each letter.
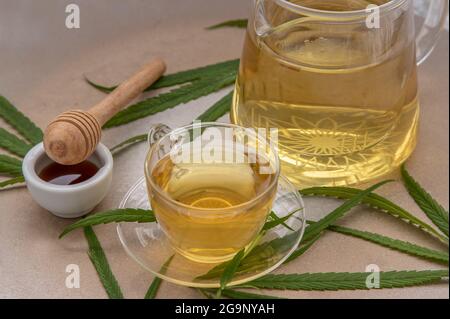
x: 276, y: 221
x: 303, y: 248
x: 197, y: 83
x: 183, y: 77
x: 316, y: 228
x: 212, y: 114
x: 100, y: 262
x: 206, y: 72
x: 20, y: 122
x: 113, y: 216
x: 434, y: 211
x: 346, y: 281
x: 128, y: 143
x: 314, y: 232
x: 238, y: 23
x: 12, y: 181
x: 156, y: 283
x: 169, y: 100
x: 13, y: 144
x: 218, y: 110
x: 237, y: 294
x: 10, y: 166
x: 274, y: 217
x: 399, y: 245
x: 230, y: 270
x: 256, y: 258
x: 104, y: 89
x: 377, y: 202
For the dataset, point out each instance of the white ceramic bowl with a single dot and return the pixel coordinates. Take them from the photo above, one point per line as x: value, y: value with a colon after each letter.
x: 72, y: 200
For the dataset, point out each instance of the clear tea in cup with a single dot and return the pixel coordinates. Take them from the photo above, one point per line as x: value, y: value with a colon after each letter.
x: 211, y: 188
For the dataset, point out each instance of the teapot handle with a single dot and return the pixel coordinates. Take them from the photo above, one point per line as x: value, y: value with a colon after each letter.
x: 428, y: 35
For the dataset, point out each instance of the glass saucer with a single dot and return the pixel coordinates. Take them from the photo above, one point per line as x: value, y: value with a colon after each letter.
x: 147, y: 244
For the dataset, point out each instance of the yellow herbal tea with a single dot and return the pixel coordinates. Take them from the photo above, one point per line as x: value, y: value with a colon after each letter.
x: 214, y: 210
x: 343, y: 97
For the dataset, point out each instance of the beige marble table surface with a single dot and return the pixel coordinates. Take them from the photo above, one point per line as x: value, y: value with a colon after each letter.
x: 42, y: 65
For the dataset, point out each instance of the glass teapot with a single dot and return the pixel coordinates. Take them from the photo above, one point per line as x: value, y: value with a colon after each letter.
x: 338, y: 79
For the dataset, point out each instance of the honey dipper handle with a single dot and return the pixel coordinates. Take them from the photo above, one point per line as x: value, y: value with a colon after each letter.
x: 128, y: 90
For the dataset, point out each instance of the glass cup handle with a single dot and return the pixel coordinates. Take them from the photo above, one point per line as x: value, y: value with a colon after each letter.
x: 428, y: 35
x: 156, y: 132
x: 259, y: 22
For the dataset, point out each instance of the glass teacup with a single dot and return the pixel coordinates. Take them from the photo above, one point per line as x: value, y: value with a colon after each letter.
x: 211, y: 187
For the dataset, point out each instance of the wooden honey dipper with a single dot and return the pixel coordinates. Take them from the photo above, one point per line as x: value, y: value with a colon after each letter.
x: 73, y: 136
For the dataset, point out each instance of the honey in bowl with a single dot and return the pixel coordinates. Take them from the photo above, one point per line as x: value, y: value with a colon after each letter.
x: 64, y: 175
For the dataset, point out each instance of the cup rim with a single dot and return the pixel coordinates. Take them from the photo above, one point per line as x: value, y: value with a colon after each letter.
x: 388, y: 6
x: 164, y: 194
x: 31, y: 176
